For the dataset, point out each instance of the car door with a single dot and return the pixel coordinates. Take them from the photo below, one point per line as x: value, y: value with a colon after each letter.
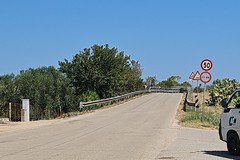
x: 230, y: 118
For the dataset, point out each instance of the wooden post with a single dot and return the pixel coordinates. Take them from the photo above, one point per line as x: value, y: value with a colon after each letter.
x: 10, y: 111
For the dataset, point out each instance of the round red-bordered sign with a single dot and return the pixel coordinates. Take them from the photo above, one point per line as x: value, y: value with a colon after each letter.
x: 206, y: 65
x: 205, y: 77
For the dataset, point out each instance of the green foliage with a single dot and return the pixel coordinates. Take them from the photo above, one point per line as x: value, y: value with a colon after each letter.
x: 170, y: 82
x: 46, y: 87
x: 103, y: 70
x: 8, y: 92
x: 151, y: 81
x: 89, y: 96
x: 134, y: 81
x: 221, y: 89
x: 198, y: 89
x: 235, y: 101
x: 96, y: 72
x: 186, y: 84
x: 47, y: 90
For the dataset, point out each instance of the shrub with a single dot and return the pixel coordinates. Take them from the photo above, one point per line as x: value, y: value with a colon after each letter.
x: 89, y: 96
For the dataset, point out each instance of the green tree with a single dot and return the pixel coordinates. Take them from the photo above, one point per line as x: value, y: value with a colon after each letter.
x: 186, y: 84
x: 48, y: 91
x: 102, y: 70
x: 111, y: 70
x: 151, y: 81
x: 134, y: 80
x: 170, y: 82
x: 8, y: 93
x: 96, y: 72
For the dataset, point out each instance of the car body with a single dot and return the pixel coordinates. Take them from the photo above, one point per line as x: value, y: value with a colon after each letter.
x: 229, y: 127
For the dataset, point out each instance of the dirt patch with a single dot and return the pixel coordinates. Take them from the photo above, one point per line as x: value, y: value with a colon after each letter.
x: 13, y: 126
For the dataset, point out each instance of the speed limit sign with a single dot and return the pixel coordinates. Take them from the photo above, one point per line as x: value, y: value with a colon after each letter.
x: 206, y: 65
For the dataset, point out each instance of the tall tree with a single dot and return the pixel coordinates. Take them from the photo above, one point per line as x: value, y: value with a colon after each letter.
x: 170, y: 82
x: 186, y: 84
x: 135, y: 82
x: 8, y: 92
x: 47, y: 90
x: 151, y: 81
x: 102, y: 70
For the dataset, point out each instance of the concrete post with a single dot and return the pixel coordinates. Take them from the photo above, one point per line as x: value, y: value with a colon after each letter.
x: 25, y: 111
x: 23, y: 115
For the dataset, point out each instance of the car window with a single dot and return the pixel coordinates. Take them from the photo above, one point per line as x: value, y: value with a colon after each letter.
x: 235, y: 101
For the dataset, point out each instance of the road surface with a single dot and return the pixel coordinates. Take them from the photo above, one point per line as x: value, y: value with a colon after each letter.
x: 141, y: 129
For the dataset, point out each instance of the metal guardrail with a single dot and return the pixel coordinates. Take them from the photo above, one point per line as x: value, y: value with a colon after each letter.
x: 165, y: 90
x: 188, y: 101
x: 126, y: 96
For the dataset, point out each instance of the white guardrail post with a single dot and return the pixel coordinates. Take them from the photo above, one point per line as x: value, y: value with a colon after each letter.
x: 81, y: 106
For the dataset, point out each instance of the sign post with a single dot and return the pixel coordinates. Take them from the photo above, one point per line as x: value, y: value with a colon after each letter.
x: 191, y: 79
x: 206, y: 76
x: 197, y: 77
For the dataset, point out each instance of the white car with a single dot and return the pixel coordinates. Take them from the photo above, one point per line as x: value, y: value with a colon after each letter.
x: 229, y: 127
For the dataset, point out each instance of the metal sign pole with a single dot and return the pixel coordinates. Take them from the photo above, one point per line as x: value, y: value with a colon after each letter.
x: 203, y: 103
x: 205, y: 77
x: 197, y: 88
x: 192, y: 85
x: 197, y: 95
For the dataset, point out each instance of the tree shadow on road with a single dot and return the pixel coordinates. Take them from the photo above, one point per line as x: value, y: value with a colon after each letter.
x: 222, y: 154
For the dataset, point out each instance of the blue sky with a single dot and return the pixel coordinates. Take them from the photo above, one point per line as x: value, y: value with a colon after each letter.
x: 168, y: 37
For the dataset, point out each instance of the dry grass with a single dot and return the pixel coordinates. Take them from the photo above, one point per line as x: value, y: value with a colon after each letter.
x: 202, y: 118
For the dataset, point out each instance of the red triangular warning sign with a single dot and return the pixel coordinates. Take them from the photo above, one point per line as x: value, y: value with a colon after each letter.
x: 196, y: 76
x: 191, y: 75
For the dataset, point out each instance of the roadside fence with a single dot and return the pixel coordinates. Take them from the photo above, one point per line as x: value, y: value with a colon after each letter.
x: 82, y: 105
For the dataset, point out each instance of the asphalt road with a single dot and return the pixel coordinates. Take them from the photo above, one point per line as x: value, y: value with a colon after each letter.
x: 141, y: 129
